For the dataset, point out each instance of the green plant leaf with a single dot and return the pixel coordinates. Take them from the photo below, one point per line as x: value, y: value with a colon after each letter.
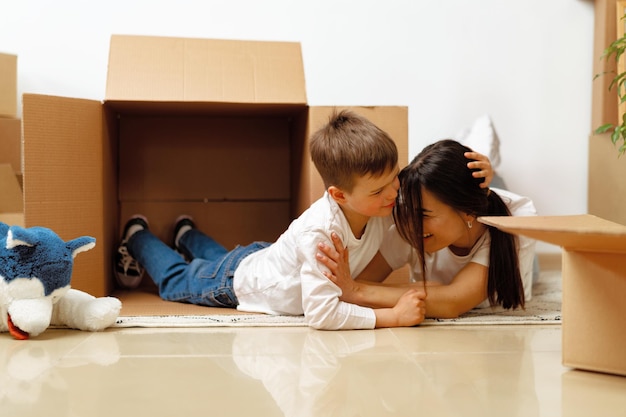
x: 615, y: 136
x: 601, y: 74
x: 604, y: 128
x: 616, y: 51
x: 618, y: 81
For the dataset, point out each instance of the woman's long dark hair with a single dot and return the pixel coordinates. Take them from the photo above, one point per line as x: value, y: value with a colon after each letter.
x: 441, y: 168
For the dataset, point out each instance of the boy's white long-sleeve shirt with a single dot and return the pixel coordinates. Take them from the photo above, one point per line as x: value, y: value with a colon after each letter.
x: 286, y: 278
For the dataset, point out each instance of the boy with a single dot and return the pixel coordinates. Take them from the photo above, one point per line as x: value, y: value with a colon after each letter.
x: 358, y: 163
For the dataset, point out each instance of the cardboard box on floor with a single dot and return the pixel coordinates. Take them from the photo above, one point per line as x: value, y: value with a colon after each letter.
x: 8, y: 85
x: 213, y: 128
x: 594, y: 285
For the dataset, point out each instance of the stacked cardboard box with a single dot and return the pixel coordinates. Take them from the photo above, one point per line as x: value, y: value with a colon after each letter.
x: 213, y: 128
x: 10, y: 144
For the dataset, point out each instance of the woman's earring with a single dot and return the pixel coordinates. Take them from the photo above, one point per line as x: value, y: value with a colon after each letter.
x: 469, y: 224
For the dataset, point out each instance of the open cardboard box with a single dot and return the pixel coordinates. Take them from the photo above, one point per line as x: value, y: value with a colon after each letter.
x: 594, y: 285
x: 217, y: 129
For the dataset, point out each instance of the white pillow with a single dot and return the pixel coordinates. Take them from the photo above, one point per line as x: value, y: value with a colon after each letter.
x: 482, y: 138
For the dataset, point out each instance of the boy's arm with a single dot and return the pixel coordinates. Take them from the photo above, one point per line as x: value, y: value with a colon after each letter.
x: 366, y: 290
x: 321, y: 303
x: 466, y: 291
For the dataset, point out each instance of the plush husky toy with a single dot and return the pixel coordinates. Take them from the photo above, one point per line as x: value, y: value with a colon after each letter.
x: 35, y: 271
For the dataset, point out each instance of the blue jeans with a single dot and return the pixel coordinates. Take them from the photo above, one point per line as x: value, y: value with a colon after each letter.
x: 206, y: 280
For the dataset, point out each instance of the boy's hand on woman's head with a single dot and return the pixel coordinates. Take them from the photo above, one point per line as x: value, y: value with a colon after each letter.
x: 483, y: 164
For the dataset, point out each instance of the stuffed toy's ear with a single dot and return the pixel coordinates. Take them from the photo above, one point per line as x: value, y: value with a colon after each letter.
x: 13, y: 242
x: 81, y: 244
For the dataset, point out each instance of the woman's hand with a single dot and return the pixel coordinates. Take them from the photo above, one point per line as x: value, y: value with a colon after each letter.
x: 483, y: 164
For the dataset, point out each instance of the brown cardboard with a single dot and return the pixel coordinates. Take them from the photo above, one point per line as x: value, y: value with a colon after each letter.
x: 8, y: 85
x: 163, y: 69
x: 229, y: 222
x: 606, y: 185
x: 11, y: 143
x: 231, y: 150
x: 11, y: 202
x: 213, y: 168
x: 604, y: 101
x: 594, y: 285
x: 70, y: 180
x: 148, y: 303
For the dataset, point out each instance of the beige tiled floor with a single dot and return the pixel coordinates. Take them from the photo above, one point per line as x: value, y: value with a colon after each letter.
x: 430, y: 371
x: 427, y: 371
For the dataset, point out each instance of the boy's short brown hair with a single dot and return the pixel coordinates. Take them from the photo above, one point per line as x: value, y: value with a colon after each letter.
x: 350, y: 146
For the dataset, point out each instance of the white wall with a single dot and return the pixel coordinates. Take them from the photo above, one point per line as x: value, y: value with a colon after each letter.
x: 526, y: 63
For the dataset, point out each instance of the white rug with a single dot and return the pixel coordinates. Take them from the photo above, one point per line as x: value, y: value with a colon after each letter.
x: 544, y: 308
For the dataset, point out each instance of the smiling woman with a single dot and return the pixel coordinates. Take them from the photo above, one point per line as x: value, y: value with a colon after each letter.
x: 464, y: 263
x: 442, y: 199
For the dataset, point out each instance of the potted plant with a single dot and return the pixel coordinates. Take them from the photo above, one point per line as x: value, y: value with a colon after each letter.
x: 615, y: 51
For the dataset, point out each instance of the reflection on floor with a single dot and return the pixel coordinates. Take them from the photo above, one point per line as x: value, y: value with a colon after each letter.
x: 432, y: 371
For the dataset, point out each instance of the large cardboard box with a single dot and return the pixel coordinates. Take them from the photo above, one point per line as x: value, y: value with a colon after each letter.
x: 8, y: 85
x: 214, y: 128
x: 594, y: 285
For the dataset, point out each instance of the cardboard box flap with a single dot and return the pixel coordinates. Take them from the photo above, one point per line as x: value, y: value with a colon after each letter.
x: 147, y: 68
x: 11, y: 201
x: 63, y: 163
x: 585, y: 232
x: 67, y: 166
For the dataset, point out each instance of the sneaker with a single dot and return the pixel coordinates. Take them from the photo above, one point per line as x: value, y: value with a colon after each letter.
x: 128, y: 272
x: 182, y: 225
